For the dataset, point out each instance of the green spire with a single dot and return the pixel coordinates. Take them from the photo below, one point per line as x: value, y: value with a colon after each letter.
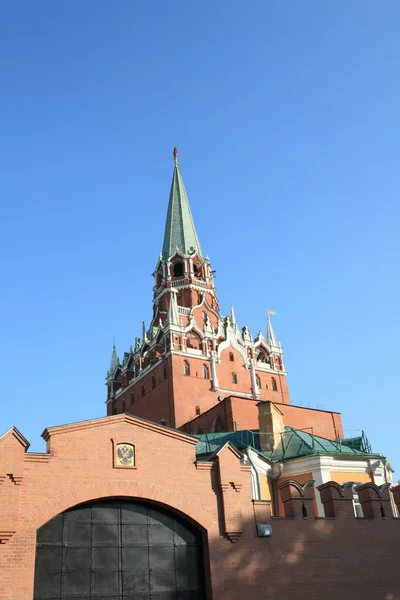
x: 179, y: 229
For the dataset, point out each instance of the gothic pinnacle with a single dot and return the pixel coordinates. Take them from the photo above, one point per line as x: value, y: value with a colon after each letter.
x: 271, y: 339
x: 114, y: 360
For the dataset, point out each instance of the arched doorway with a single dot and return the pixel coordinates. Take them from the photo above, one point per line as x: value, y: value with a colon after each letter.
x: 118, y: 550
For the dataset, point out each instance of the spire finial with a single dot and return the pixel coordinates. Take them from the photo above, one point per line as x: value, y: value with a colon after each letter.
x: 175, y: 153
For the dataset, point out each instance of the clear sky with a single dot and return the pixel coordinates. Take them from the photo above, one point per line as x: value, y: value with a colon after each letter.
x: 287, y: 118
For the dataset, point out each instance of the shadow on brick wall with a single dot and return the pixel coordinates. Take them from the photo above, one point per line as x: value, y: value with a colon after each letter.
x: 337, y: 558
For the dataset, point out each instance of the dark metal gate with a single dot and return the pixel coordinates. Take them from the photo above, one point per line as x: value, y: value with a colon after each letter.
x: 118, y: 550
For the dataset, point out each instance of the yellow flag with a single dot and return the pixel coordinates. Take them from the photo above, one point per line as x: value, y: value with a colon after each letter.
x: 271, y: 312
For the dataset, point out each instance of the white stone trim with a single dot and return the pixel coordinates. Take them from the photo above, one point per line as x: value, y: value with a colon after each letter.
x: 231, y: 340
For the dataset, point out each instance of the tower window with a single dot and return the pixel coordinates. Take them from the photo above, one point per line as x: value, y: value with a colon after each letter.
x: 186, y: 368
x: 198, y: 410
x: 258, y: 381
x: 143, y: 390
x: 273, y: 383
x: 234, y: 378
x: 178, y: 269
x: 153, y: 382
x: 193, y: 340
x: 123, y: 406
x: 231, y: 357
x: 195, y: 269
x: 165, y: 371
x: 132, y: 397
x: 206, y: 373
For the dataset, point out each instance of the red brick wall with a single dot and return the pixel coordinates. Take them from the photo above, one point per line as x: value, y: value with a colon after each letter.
x: 190, y: 391
x: 333, y: 559
x: 242, y: 413
x: 157, y: 402
x: 266, y: 391
x: 324, y: 423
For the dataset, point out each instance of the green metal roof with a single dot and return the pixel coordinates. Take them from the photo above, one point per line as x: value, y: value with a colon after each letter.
x: 210, y: 442
x: 294, y: 443
x: 180, y: 231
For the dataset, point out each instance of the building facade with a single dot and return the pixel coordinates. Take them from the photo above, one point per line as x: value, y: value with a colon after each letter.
x: 204, y: 481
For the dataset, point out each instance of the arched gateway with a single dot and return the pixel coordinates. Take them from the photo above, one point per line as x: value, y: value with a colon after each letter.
x: 118, y: 550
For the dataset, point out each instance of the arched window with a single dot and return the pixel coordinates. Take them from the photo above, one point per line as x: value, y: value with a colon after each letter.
x: 186, y: 368
x: 258, y: 382
x: 273, y: 383
x: 234, y: 378
x: 193, y: 340
x: 178, y: 269
x: 195, y: 269
x: 231, y: 357
x: 206, y: 373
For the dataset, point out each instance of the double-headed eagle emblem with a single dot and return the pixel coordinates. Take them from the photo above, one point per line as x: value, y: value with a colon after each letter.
x: 126, y: 454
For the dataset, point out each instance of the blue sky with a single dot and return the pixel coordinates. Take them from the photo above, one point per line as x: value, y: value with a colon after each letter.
x: 286, y: 115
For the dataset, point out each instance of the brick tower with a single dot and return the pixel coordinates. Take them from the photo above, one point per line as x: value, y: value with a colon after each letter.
x: 192, y: 357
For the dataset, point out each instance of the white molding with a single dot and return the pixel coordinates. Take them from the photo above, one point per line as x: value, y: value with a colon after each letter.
x: 237, y: 393
x: 231, y: 340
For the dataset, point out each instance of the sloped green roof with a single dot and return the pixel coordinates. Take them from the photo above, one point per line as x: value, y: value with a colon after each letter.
x: 180, y: 231
x: 210, y: 442
x: 294, y: 444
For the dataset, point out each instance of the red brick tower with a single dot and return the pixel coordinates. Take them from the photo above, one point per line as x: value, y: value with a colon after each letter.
x: 192, y: 358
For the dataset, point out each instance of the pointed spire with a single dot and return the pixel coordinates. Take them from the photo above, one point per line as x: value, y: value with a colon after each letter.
x: 233, y: 318
x: 145, y: 338
x: 114, y: 360
x: 180, y: 232
x: 172, y: 316
x: 271, y: 339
